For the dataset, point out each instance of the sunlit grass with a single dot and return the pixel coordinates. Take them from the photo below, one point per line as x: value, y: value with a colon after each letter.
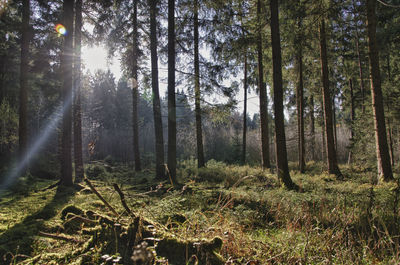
x: 328, y: 221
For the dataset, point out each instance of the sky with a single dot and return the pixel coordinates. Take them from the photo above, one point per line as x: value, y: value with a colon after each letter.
x: 95, y: 57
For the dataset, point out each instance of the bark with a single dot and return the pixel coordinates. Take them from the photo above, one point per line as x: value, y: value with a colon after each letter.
x: 361, y: 74
x: 382, y: 152
x: 390, y: 128
x: 66, y: 69
x: 390, y: 134
x: 312, y: 128
x: 171, y: 92
x: 323, y: 140
x: 352, y: 117
x: 79, y: 170
x: 300, y: 108
x: 244, y: 111
x: 135, y: 90
x: 160, y: 173
x: 330, y: 145
x: 334, y: 121
x: 199, y: 131
x: 360, y: 69
x: 263, y: 96
x: 23, y: 92
x: 2, y: 73
x: 281, y: 153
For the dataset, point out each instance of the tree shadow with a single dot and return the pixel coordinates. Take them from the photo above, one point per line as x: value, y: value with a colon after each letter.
x: 20, y: 238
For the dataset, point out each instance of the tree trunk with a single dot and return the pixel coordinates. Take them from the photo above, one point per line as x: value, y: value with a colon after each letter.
x: 66, y: 69
x: 300, y: 108
x: 79, y: 169
x: 244, y: 111
x: 384, y: 168
x: 199, y: 131
x: 2, y: 73
x: 334, y: 121
x: 23, y: 92
x: 390, y: 134
x: 390, y: 128
x: 171, y: 91
x: 263, y: 96
x: 280, y: 142
x: 360, y: 69
x: 330, y: 145
x: 352, y: 117
x: 135, y: 90
x: 323, y: 140
x: 312, y: 128
x: 158, y: 129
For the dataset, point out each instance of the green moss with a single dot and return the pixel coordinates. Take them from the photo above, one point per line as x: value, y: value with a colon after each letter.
x: 179, y: 251
x: 71, y: 209
x: 330, y: 221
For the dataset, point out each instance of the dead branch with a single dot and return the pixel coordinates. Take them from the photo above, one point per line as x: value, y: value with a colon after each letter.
x: 59, y: 237
x: 100, y: 197
x: 170, y: 179
x: 123, y: 201
x: 80, y: 218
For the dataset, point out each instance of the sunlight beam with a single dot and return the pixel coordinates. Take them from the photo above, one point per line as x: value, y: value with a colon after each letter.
x: 40, y: 140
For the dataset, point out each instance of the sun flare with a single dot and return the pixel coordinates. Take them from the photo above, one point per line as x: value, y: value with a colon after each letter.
x: 96, y: 58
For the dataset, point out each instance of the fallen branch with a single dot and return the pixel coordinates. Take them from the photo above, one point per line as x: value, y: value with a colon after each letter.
x: 100, y: 197
x: 241, y: 180
x: 122, y: 196
x: 59, y: 237
x: 80, y: 218
x: 170, y: 178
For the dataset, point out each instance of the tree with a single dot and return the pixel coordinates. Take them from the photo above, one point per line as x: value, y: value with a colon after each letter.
x: 352, y: 118
x: 280, y: 142
x: 312, y: 127
x: 262, y: 94
x: 23, y: 96
x: 360, y: 68
x: 78, y: 159
x: 244, y: 109
x: 171, y: 91
x: 66, y: 69
x: 197, y: 97
x: 299, y: 94
x: 327, y: 102
x: 135, y: 92
x: 156, y: 94
x: 382, y: 152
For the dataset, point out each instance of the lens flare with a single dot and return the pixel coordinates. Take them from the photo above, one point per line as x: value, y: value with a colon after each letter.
x: 61, y: 29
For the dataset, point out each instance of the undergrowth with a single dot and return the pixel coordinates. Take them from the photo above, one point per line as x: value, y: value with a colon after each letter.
x: 328, y: 221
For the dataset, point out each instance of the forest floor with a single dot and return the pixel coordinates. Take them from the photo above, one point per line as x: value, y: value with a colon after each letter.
x: 327, y: 222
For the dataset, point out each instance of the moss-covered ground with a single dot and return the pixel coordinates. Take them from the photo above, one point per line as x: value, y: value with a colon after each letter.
x: 328, y: 221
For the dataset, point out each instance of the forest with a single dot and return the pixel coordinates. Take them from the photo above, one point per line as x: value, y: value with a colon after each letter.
x: 232, y: 132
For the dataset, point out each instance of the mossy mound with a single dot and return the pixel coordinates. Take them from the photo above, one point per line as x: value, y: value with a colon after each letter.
x: 178, y: 251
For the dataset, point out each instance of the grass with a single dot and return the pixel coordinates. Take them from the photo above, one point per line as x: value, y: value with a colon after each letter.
x: 328, y: 221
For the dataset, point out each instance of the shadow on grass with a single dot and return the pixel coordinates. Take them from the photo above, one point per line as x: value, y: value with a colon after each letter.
x: 20, y: 238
